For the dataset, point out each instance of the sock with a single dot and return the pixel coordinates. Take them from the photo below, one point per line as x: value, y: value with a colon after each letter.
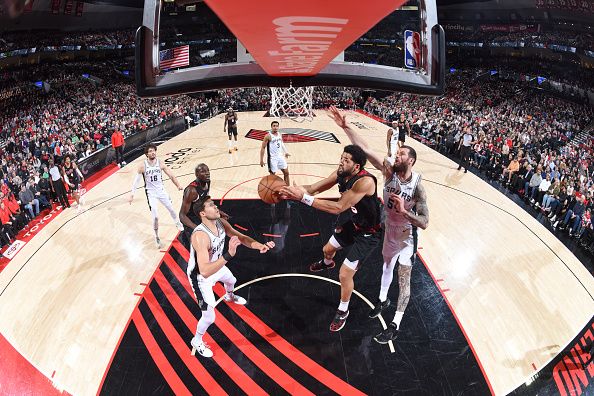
x: 398, y: 319
x: 198, y: 337
x: 229, y: 143
x: 327, y: 261
x: 343, y: 306
x: 383, y: 296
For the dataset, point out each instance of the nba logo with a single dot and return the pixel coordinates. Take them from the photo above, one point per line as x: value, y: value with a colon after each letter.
x: 412, y: 49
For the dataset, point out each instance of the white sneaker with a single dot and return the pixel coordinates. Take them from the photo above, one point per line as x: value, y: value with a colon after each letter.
x: 119, y: 166
x: 123, y: 163
x: 201, y: 347
x: 158, y: 243
x: 234, y: 298
x: 179, y: 226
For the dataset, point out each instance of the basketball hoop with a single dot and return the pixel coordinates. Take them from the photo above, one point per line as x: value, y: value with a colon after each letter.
x: 292, y: 102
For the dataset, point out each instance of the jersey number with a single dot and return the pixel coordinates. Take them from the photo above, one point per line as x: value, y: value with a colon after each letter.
x: 154, y: 178
x: 390, y: 203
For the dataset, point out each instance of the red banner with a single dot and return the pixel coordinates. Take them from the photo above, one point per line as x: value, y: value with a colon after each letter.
x: 300, y: 37
x: 55, y: 6
x: 68, y: 7
x: 79, y: 8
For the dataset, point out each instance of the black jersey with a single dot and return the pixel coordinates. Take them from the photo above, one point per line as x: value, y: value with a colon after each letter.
x: 72, y: 175
x: 366, y: 213
x: 232, y: 120
x: 201, y: 194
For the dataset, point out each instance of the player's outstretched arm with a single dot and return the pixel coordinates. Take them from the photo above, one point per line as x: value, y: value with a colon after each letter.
x: 362, y: 187
x: 340, y: 120
x: 137, y: 176
x: 168, y: 172
x: 246, y: 240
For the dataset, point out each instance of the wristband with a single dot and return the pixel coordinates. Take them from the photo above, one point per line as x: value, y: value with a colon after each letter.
x: 227, y: 257
x: 307, y: 199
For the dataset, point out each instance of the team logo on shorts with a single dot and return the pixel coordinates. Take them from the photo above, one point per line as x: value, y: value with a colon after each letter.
x: 295, y: 135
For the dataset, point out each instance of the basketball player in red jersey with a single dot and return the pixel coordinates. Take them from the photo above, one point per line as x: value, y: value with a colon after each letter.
x: 405, y: 208
x: 361, y: 233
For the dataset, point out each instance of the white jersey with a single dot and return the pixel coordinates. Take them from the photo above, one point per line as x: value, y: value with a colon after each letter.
x: 153, y: 177
x: 217, y: 244
x: 407, y: 191
x: 394, y: 140
x: 275, y: 145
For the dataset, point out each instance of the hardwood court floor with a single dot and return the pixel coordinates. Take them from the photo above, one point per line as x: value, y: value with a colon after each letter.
x: 518, y: 294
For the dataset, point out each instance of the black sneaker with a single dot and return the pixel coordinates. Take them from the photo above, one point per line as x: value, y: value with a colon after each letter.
x: 320, y: 265
x: 339, y: 320
x: 388, y: 334
x: 379, y: 307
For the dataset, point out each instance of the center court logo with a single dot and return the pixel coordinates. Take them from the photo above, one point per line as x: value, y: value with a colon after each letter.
x: 295, y: 135
x: 176, y: 159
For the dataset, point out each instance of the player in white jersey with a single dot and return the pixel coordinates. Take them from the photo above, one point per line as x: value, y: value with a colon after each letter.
x: 277, y: 152
x: 396, y: 137
x: 207, y: 264
x: 403, y: 191
x: 152, y: 170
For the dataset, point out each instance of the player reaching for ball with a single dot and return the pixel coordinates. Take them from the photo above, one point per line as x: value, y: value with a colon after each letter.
x: 207, y: 264
x: 362, y: 233
x: 277, y: 152
x: 403, y: 193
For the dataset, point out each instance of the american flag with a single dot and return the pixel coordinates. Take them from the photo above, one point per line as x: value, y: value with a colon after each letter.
x: 174, y: 57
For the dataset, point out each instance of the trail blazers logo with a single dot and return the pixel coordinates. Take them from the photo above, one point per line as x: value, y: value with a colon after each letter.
x: 295, y: 135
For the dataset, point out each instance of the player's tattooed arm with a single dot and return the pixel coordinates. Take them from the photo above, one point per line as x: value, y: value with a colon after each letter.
x: 421, y: 218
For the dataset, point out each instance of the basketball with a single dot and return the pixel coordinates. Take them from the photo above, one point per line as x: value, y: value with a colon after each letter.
x: 268, y: 188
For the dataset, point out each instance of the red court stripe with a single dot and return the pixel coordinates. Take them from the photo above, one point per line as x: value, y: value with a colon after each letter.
x: 243, y: 344
x: 296, y: 356
x: 459, y: 325
x: 445, y: 290
x: 200, y: 373
x: 159, y: 358
x: 138, y: 294
x: 220, y: 356
x: 273, y: 235
x: 240, y: 227
x: 309, y: 235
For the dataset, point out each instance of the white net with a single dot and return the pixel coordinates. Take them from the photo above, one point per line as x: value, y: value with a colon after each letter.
x: 293, y: 102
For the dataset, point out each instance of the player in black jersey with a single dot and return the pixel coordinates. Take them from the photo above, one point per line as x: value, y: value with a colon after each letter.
x: 194, y: 192
x: 231, y: 127
x: 362, y: 232
x: 74, y: 178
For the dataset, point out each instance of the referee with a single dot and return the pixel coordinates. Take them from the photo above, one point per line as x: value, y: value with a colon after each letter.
x: 58, y: 184
x: 465, y: 148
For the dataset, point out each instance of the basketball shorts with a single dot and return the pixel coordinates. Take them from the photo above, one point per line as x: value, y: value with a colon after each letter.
x: 277, y: 163
x: 232, y: 131
x: 203, y: 286
x: 399, y: 243
x: 361, y: 243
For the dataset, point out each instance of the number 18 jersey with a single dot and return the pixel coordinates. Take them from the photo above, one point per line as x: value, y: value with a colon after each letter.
x: 153, y: 177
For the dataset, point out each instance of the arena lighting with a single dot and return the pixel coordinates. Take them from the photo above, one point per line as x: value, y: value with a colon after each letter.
x: 38, y: 84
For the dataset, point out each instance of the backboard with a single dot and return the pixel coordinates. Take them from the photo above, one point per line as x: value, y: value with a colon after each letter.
x: 219, y: 44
